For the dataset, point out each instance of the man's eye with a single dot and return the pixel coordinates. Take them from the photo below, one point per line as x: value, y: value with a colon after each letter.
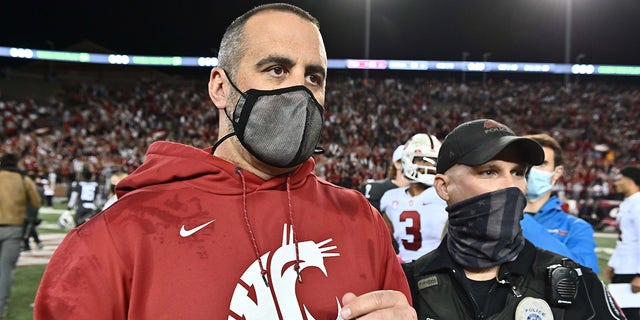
x: 315, y: 79
x: 486, y: 172
x: 277, y: 70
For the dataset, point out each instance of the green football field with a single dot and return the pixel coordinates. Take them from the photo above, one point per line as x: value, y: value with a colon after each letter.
x: 27, y: 278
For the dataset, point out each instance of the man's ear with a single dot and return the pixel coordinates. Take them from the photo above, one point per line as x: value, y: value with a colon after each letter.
x: 441, y: 183
x: 217, y: 85
x: 557, y: 174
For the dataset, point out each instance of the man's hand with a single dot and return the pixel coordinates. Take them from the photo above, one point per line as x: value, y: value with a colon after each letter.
x: 608, y: 273
x: 635, y: 285
x: 377, y: 305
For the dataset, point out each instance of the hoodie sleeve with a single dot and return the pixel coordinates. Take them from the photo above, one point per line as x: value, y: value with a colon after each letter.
x: 84, y: 280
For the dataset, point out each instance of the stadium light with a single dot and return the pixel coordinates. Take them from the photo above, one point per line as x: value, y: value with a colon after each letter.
x: 367, y: 33
x: 52, y: 46
x: 567, y: 39
x: 485, y: 56
x: 579, y: 58
x: 465, y: 55
x: 361, y: 64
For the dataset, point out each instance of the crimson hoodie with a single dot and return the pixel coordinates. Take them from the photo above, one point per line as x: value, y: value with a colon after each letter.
x: 183, y: 239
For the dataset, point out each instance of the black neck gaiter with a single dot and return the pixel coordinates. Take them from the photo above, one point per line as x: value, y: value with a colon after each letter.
x: 484, y: 231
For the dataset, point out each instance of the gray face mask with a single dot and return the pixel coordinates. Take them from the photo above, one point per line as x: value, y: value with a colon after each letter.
x: 279, y: 127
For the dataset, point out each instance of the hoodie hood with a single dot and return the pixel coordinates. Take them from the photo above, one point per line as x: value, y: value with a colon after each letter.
x: 168, y: 163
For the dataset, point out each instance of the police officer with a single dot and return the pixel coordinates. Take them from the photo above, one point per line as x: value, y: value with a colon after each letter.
x: 484, y: 268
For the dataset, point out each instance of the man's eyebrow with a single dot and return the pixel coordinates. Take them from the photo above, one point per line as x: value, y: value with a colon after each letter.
x: 317, y: 69
x: 280, y: 60
x: 274, y: 60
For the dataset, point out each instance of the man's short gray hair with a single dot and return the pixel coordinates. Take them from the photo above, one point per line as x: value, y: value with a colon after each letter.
x: 233, y: 44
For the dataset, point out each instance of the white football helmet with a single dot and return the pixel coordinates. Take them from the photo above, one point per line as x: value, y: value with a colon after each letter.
x: 423, y: 148
x: 66, y: 221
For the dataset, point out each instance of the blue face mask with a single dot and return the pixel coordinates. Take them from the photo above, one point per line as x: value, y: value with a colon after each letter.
x: 538, y: 183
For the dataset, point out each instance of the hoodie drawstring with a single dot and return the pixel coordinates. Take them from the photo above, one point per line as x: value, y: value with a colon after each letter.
x: 245, y: 212
x: 263, y: 271
x: 296, y: 267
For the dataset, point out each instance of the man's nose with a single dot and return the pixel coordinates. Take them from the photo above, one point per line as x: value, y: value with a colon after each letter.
x: 512, y: 181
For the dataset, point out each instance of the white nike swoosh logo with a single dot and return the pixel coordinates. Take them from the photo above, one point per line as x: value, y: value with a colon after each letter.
x: 185, y: 233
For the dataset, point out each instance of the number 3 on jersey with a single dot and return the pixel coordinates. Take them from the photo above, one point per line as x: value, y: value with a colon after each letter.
x: 412, y: 229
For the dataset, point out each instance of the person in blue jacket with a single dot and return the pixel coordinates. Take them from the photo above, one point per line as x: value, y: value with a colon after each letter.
x: 561, y: 232
x: 535, y: 232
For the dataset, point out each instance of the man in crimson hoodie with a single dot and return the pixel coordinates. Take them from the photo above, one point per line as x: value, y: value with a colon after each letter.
x: 244, y: 229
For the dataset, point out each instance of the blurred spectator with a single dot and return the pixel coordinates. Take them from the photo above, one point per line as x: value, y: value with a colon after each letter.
x: 624, y: 264
x: 113, y: 181
x: 84, y: 197
x: 573, y: 234
x: 32, y: 220
x: 374, y: 189
x: 111, y: 124
x: 47, y: 191
x: 16, y: 190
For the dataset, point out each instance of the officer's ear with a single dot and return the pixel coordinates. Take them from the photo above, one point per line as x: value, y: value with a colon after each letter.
x: 441, y: 183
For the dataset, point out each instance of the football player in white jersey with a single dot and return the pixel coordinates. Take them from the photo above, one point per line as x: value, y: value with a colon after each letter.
x: 84, y: 197
x: 415, y: 214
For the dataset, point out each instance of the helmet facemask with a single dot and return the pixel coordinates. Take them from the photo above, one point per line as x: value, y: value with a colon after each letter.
x: 419, y: 158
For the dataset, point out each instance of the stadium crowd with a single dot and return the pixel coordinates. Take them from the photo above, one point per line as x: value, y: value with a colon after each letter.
x: 108, y: 127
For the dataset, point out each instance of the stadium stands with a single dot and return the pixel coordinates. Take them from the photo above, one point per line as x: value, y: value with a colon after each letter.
x: 109, y: 125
